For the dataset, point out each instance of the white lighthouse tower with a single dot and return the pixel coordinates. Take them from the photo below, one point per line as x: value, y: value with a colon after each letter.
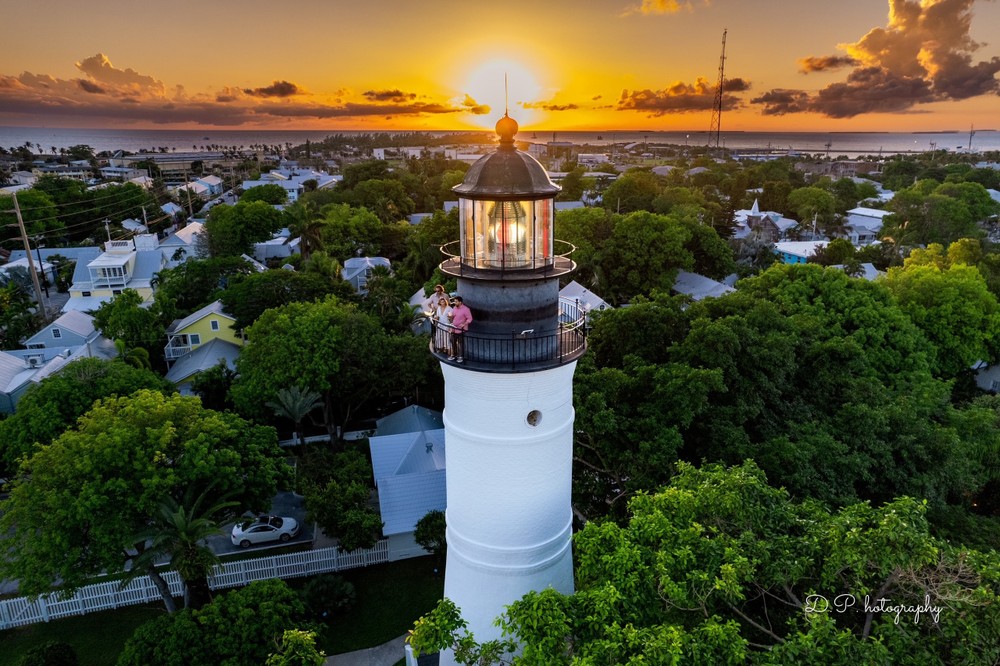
x: 509, y: 406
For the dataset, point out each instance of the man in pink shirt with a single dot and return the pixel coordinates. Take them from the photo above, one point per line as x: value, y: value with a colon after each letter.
x: 460, y: 320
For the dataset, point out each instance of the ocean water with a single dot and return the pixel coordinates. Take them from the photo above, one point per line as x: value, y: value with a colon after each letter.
x: 840, y: 143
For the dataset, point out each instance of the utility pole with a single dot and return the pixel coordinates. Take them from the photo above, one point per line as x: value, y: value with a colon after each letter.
x: 38, y: 250
x: 27, y: 253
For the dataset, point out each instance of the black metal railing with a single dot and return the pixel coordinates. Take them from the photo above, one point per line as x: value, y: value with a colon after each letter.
x: 520, y: 351
x: 532, y: 266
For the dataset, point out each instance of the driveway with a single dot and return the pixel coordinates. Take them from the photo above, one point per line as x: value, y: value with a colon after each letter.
x: 285, y: 504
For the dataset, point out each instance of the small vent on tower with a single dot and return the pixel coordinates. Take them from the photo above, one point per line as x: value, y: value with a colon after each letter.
x: 534, y: 418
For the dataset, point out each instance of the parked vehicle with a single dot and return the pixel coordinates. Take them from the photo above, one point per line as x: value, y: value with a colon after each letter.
x: 263, y: 529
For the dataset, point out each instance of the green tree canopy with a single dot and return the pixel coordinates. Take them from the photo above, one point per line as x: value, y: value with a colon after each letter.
x: 77, y: 505
x: 247, y: 296
x: 194, y: 284
x: 328, y: 347
x: 271, y: 193
x: 721, y: 568
x: 232, y: 230
x: 55, y: 403
x: 123, y: 318
x: 632, y: 191
x: 240, y: 627
x: 643, y: 253
x: 954, y: 309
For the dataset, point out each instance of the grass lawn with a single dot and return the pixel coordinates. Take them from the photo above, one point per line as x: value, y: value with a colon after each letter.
x: 390, y: 599
x: 97, y: 637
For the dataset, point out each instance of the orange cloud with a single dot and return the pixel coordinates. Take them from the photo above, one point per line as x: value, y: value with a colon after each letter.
x: 924, y: 54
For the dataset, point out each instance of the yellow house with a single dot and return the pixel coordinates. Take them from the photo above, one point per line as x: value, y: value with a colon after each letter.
x: 124, y: 264
x: 198, y: 328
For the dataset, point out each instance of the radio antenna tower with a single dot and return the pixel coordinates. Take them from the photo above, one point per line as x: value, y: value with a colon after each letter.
x: 716, y: 127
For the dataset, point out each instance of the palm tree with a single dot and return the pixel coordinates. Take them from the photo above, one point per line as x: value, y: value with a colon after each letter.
x: 308, y: 226
x: 179, y: 531
x: 295, y: 404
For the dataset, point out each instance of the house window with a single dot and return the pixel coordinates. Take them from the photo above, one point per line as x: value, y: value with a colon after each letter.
x: 995, y: 386
x: 215, y: 324
x: 36, y: 345
x: 86, y: 293
x: 56, y: 333
x: 116, y: 292
x: 195, y: 339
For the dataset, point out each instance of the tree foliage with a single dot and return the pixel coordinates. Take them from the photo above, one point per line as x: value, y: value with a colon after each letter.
x: 430, y: 532
x: 271, y: 193
x: 248, y: 295
x: 719, y: 567
x: 954, y: 309
x: 79, y: 503
x: 337, y: 490
x: 124, y: 318
x: 232, y: 230
x: 241, y: 627
x: 55, y: 403
x: 328, y: 347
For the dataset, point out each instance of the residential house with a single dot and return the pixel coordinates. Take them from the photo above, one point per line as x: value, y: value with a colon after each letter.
x: 588, y: 300
x: 45, y: 269
x: 357, y: 270
x: 412, y: 418
x: 15, y: 379
x: 195, y: 188
x: 206, y: 356
x: 293, y: 189
x: 279, y: 247
x: 699, y: 287
x: 198, y: 328
x: 798, y: 252
x: 864, y: 224
x: 987, y: 376
x: 124, y: 264
x: 71, y: 329
x: 214, y: 184
x: 768, y: 225
x: 122, y: 173
x: 22, y: 368
x: 409, y: 472
x: 180, y: 246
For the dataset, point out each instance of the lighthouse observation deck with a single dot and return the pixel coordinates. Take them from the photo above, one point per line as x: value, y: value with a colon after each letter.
x: 525, y: 350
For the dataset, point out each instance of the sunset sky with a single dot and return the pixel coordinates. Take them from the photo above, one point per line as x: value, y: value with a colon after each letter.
x: 795, y: 65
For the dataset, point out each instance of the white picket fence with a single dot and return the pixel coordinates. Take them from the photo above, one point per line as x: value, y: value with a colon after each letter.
x: 105, y: 596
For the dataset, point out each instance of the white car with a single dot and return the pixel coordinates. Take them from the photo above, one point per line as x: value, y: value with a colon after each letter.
x: 263, y: 529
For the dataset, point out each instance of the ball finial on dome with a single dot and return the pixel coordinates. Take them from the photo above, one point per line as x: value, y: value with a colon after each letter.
x: 506, y: 128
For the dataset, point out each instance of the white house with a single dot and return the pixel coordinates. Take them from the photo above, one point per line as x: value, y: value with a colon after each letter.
x: 863, y: 224
x: 213, y: 183
x: 588, y: 300
x: 769, y: 225
x: 180, y: 246
x: 124, y: 264
x: 699, y: 287
x: 357, y: 270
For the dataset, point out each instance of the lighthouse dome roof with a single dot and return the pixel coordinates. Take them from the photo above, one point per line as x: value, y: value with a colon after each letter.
x: 506, y: 172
